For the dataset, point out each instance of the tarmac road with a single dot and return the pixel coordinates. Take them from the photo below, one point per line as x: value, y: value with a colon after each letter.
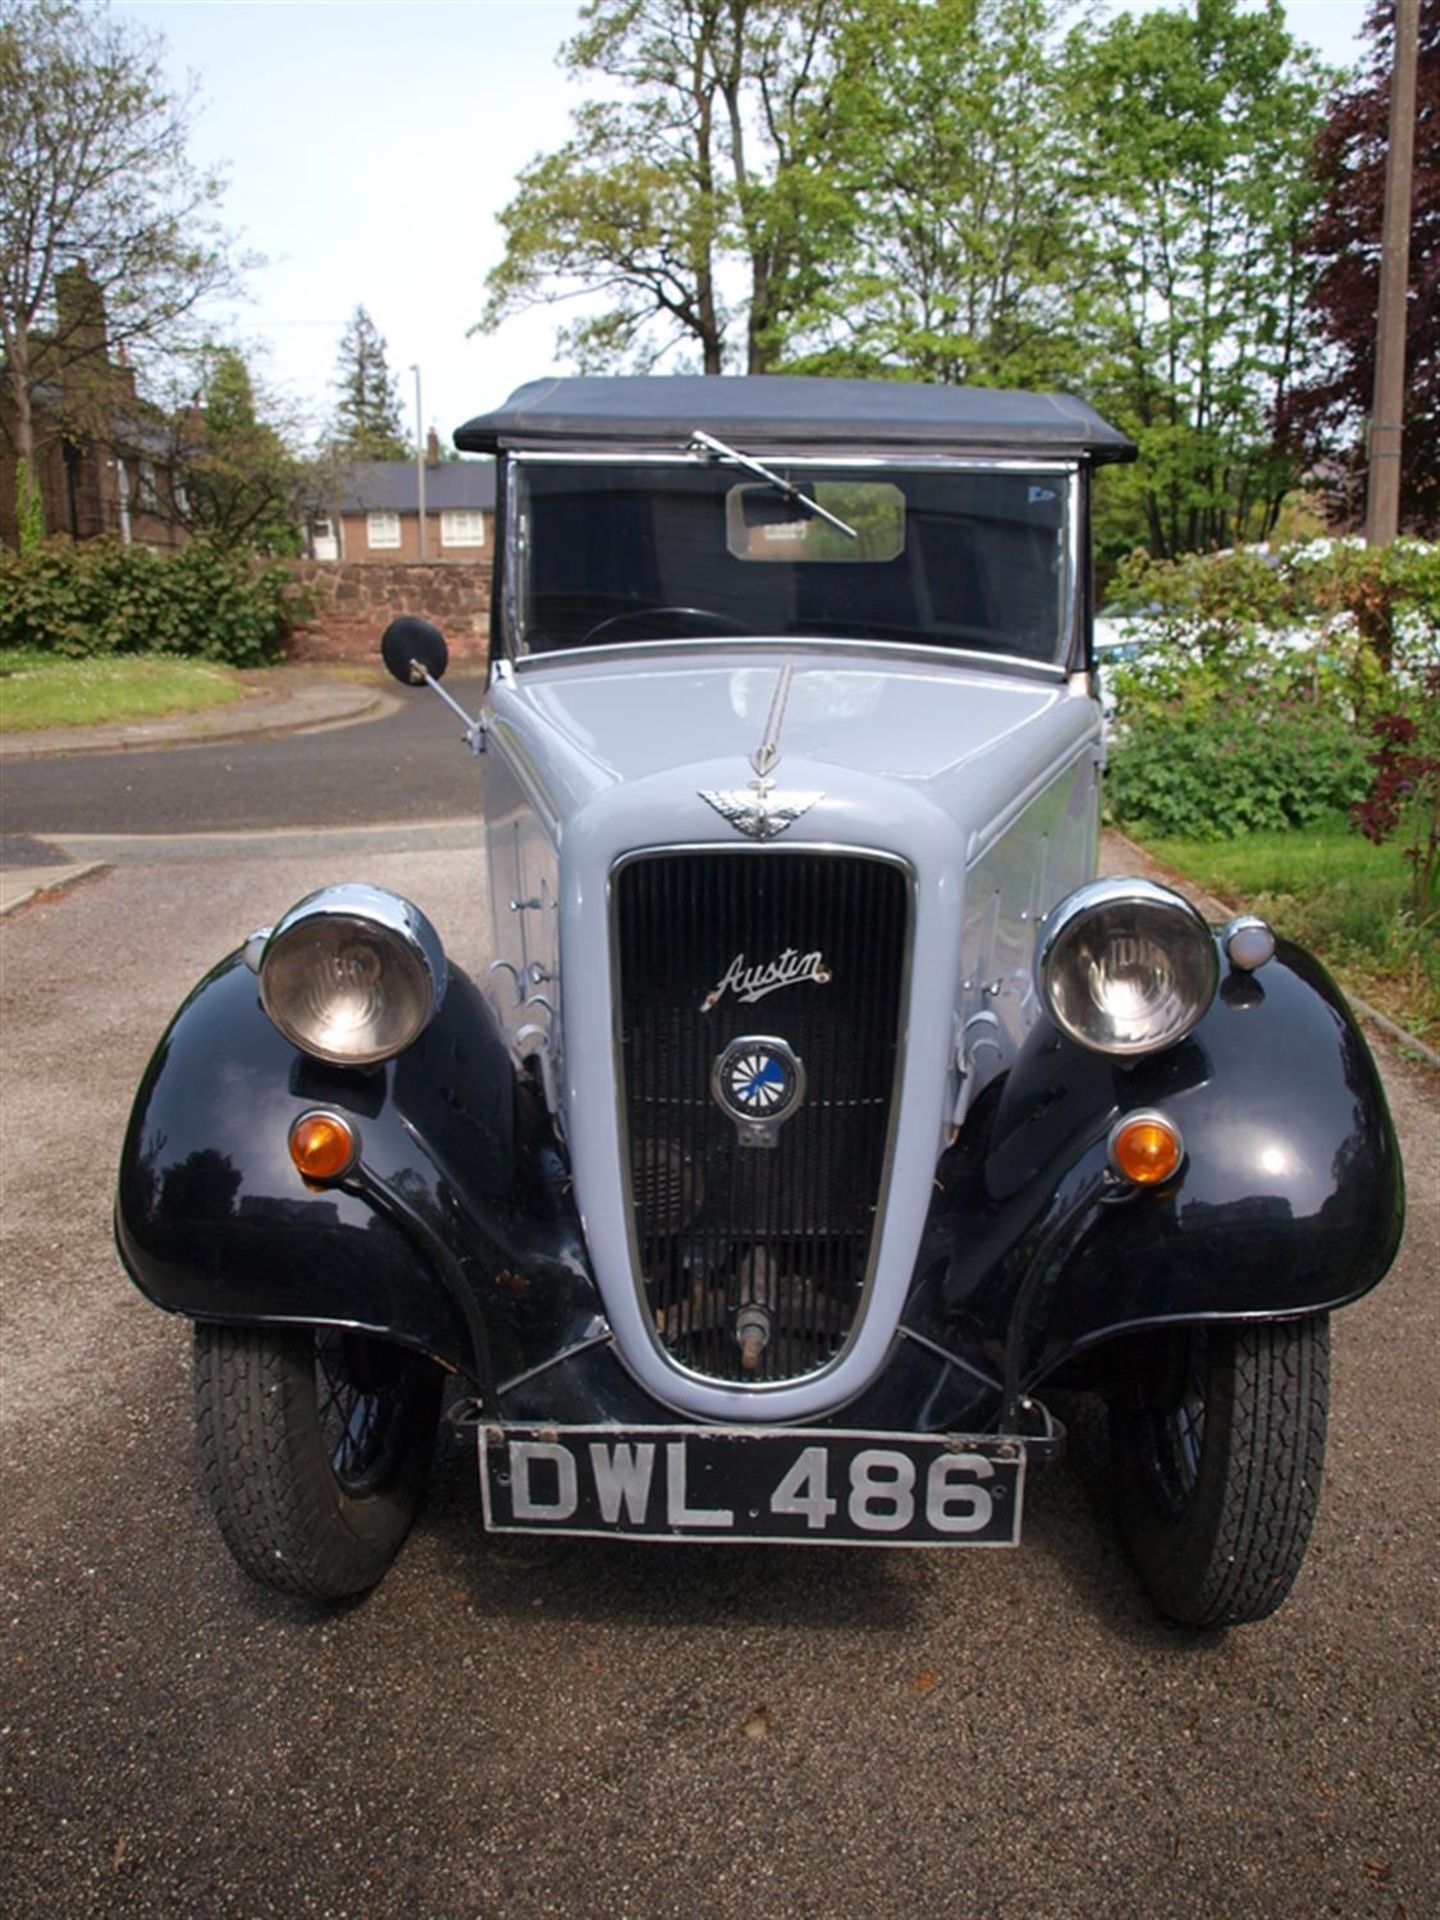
x: 585, y: 1729
x: 409, y: 765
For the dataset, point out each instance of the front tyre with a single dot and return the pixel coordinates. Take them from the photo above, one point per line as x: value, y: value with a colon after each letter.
x: 1217, y: 1468
x: 314, y: 1445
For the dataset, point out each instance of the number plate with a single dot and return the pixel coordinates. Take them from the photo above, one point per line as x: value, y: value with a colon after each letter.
x: 708, y: 1483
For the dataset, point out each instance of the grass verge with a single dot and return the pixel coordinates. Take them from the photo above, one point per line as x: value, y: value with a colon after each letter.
x: 37, y: 690
x: 1334, y: 892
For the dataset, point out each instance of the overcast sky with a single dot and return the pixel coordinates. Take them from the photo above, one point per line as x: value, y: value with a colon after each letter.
x: 370, y: 148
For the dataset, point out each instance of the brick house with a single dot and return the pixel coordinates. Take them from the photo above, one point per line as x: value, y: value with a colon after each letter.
x: 377, y: 511
x: 102, y: 453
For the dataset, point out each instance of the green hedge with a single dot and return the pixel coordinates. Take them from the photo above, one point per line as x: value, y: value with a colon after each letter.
x: 1238, y: 764
x: 98, y: 597
x: 1257, y: 677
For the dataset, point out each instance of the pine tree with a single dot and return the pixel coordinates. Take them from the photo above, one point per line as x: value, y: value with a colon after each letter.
x: 367, y: 423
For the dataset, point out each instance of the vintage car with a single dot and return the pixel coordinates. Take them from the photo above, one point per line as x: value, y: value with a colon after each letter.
x: 814, y: 1107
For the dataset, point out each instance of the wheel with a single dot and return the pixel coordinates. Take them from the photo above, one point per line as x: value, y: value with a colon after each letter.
x: 658, y: 623
x: 1217, y: 1468
x: 314, y: 1445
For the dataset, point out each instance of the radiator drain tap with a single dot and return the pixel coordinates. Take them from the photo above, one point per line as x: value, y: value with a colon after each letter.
x: 752, y: 1330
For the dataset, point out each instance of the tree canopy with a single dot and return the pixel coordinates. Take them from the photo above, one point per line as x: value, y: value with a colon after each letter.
x: 694, y: 209
x: 367, y: 423
x: 239, y: 481
x: 1324, y: 419
x: 961, y: 245
x: 109, y: 242
x: 993, y: 191
x: 1194, y: 127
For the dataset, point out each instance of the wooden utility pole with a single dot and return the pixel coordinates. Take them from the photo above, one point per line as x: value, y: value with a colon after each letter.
x: 1382, y: 515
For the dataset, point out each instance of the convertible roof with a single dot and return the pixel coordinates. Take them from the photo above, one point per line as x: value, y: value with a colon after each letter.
x: 775, y: 410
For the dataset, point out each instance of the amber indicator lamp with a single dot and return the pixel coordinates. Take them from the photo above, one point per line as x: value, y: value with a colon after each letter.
x: 324, y: 1146
x: 1146, y: 1149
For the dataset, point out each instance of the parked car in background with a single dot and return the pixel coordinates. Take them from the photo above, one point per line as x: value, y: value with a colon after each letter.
x: 1124, y: 641
x: 814, y: 1111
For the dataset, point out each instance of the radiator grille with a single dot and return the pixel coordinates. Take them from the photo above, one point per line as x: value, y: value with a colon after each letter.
x: 754, y: 1259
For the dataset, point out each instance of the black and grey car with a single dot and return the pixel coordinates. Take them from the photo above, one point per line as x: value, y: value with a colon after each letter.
x: 814, y: 1111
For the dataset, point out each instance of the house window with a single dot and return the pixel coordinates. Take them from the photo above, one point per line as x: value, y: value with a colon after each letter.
x: 462, y: 527
x: 123, y: 491
x: 148, y: 498
x: 382, y: 529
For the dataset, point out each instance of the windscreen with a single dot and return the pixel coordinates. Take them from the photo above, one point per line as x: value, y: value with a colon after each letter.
x: 609, y: 552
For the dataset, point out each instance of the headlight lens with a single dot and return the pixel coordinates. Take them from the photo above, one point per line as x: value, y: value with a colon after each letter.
x: 1126, y: 967
x: 352, y: 974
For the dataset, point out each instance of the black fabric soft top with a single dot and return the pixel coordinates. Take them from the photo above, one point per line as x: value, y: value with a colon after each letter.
x: 785, y: 410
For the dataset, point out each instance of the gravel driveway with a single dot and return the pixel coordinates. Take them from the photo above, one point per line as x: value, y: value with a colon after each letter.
x: 577, y: 1729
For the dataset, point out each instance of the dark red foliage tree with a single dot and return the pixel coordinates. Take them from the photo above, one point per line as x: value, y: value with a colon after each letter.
x: 1406, y: 794
x: 1324, y: 419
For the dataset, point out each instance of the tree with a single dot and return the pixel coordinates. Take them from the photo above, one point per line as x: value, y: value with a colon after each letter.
x: 367, y: 422
x: 108, y: 239
x: 707, y: 172
x: 946, y: 190
x: 965, y: 240
x: 1192, y: 130
x: 1324, y: 420
x: 238, y: 480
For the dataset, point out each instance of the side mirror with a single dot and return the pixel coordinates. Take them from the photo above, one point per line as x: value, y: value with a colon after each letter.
x: 414, y: 650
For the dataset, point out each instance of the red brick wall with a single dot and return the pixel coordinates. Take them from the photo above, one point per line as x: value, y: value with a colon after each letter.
x: 358, y: 600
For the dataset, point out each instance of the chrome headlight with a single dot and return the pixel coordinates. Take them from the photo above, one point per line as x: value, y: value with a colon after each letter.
x: 1126, y: 967
x: 352, y: 974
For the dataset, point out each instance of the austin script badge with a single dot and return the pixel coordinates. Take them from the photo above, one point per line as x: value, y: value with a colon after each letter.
x: 750, y: 984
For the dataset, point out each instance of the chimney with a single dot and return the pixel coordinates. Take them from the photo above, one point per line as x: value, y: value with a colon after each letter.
x: 432, y: 448
x: 80, y: 322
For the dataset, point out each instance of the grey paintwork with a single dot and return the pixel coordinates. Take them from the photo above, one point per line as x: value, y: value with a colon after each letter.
x: 981, y: 776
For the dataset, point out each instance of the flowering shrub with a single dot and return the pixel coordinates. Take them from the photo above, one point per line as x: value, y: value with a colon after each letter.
x: 1317, y: 590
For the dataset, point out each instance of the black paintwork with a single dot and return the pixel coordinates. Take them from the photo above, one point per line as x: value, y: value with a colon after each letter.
x: 917, y: 1390
x: 408, y: 643
x: 1289, y: 1200
x: 458, y: 1236
x: 777, y: 410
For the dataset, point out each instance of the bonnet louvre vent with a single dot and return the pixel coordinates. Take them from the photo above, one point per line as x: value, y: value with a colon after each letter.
x: 754, y: 1258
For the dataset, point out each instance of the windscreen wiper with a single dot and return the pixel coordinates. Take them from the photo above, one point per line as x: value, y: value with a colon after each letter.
x: 717, y: 449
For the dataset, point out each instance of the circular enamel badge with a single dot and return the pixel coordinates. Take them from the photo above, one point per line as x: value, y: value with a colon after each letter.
x: 758, y: 1078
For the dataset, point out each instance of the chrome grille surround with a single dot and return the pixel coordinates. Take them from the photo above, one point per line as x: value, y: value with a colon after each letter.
x: 731, y: 1238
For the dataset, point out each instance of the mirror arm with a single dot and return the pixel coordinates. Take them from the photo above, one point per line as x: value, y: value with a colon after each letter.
x: 475, y: 729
